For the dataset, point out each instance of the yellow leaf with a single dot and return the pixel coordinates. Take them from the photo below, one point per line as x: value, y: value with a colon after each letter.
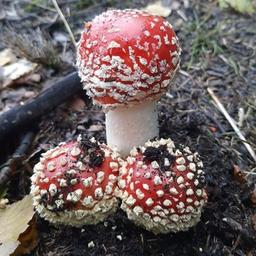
x: 242, y: 6
x: 6, y: 57
x: 14, y: 221
x: 157, y: 8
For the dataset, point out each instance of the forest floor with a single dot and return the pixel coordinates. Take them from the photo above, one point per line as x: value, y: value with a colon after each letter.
x: 219, y: 52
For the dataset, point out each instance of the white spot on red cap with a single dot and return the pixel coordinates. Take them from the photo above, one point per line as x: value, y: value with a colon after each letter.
x: 51, y: 166
x: 63, y: 161
x: 160, y: 193
x: 75, y: 151
x: 189, y: 192
x: 180, y: 160
x: 138, y: 210
x: 145, y: 186
x: 149, y: 202
x: 130, y: 200
x: 157, y: 180
x: 190, y: 175
x: 63, y: 183
x: 167, y: 202
x: 181, y: 168
x: 192, y: 167
x: 154, y: 164
x: 98, y: 193
x: 139, y: 194
x: 180, y: 180
x: 88, y: 182
x: 74, y: 196
x: 173, y: 191
x: 73, y: 181
x: 114, y: 44
x: 100, y: 176
x: 122, y: 183
x: 146, y: 33
x: 87, y: 201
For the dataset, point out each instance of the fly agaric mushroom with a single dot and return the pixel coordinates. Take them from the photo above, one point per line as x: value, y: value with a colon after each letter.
x: 162, y: 187
x: 74, y: 183
x: 126, y: 60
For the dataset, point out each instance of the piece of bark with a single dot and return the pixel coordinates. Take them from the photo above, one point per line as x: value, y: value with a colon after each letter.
x: 22, y: 116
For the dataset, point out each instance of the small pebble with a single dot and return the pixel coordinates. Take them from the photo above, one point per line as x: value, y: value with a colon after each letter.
x: 91, y: 244
x: 119, y: 237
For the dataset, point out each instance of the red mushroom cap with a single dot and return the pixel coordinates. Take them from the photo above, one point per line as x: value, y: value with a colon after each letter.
x: 127, y: 55
x: 74, y: 183
x: 162, y: 187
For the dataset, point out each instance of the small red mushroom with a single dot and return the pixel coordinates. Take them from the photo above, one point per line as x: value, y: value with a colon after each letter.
x: 126, y: 59
x: 162, y: 188
x: 74, y: 183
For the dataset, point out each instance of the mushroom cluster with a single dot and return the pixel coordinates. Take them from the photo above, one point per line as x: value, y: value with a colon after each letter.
x: 162, y: 187
x: 126, y: 59
x: 74, y: 183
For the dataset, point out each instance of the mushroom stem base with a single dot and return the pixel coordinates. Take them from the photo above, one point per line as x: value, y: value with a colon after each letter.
x: 127, y: 127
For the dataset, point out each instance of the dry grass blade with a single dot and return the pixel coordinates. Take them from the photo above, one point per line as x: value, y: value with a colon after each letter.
x: 232, y: 123
x: 64, y: 22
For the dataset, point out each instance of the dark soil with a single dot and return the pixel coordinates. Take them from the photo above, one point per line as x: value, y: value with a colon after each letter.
x: 218, y: 52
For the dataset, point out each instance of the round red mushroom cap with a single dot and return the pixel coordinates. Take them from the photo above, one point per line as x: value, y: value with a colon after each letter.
x: 162, y: 188
x: 125, y: 56
x: 74, y: 183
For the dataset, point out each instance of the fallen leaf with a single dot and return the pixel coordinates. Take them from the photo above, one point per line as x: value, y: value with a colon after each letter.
x: 158, y: 8
x: 14, y: 218
x: 28, y: 239
x: 6, y: 57
x: 17, y: 70
x: 77, y: 104
x: 242, y: 6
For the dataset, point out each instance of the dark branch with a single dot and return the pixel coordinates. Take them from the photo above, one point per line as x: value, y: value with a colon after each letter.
x: 11, y: 166
x: 21, y: 116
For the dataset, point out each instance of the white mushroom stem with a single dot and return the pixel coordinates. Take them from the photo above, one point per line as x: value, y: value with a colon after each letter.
x: 131, y: 126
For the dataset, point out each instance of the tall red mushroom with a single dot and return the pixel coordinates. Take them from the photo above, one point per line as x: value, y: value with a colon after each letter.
x: 126, y: 60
